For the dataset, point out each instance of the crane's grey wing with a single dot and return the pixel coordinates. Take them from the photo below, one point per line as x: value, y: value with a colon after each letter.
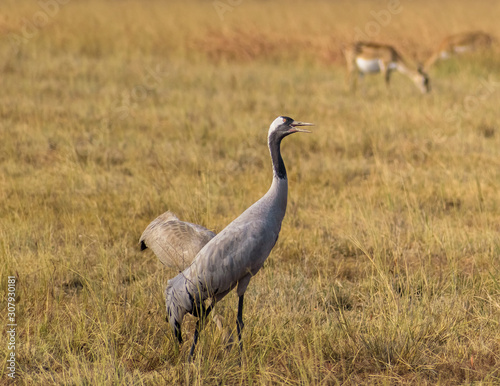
x: 175, y: 242
x: 237, y: 253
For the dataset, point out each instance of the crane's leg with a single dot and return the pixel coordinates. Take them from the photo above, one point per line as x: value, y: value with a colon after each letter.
x: 178, y: 333
x: 239, y: 320
x: 202, y: 314
x: 177, y: 330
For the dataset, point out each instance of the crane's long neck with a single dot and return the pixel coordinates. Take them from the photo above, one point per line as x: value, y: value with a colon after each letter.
x: 279, y: 169
x: 278, y: 192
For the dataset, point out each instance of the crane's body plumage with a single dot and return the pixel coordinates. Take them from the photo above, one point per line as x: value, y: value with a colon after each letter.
x: 232, y: 256
x: 237, y: 253
x: 242, y: 247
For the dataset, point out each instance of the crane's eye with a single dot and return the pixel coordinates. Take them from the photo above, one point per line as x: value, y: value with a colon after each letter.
x: 284, y: 120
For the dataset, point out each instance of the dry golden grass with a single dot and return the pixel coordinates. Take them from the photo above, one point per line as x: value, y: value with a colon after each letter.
x: 387, y: 269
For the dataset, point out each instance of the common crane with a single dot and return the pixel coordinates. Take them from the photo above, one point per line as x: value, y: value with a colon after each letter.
x: 232, y: 257
x: 176, y: 243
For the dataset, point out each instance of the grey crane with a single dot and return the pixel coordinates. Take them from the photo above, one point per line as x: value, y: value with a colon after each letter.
x: 233, y: 256
x: 176, y: 243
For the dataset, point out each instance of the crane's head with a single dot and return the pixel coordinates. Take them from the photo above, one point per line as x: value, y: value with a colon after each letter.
x: 283, y: 126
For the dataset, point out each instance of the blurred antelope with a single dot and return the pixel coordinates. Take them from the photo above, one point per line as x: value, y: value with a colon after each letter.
x: 458, y: 44
x: 371, y: 58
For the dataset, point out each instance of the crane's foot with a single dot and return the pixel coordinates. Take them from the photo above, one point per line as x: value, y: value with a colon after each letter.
x: 239, y: 321
x: 201, y: 314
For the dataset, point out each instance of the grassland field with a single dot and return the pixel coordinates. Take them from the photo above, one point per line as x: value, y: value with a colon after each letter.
x: 387, y: 269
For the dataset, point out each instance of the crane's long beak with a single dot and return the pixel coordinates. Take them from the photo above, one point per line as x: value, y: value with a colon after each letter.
x: 296, y: 124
